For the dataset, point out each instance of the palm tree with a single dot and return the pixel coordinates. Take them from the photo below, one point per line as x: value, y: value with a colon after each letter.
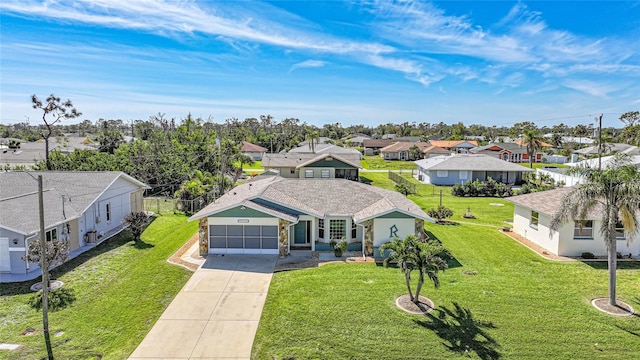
x: 534, y: 144
x: 313, y: 137
x: 413, y: 254
x: 615, y: 193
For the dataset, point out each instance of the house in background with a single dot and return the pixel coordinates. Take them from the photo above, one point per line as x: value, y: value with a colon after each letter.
x: 255, y: 152
x: 373, y: 146
x: 524, y: 143
x: 609, y: 148
x: 461, y: 168
x: 30, y: 153
x: 313, y: 166
x: 510, y: 152
x: 355, y: 140
x: 326, y: 149
x: 456, y: 146
x: 433, y: 150
x: 83, y: 208
x: 532, y: 216
x: 274, y: 215
x: 401, y: 150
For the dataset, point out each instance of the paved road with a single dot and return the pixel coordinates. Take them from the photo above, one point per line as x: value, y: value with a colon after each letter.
x: 216, y: 314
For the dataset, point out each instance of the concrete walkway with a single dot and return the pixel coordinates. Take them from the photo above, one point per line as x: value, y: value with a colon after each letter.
x: 216, y: 314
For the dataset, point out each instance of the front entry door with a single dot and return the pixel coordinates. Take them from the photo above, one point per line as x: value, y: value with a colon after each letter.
x: 300, y: 230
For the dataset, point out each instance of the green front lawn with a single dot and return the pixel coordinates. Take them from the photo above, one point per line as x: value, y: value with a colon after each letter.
x: 529, y: 308
x: 121, y: 290
x: 488, y: 211
x: 378, y: 163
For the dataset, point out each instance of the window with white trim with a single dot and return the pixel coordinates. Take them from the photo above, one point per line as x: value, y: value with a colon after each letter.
x: 108, y: 211
x: 534, y: 219
x: 337, y: 229
x: 292, y: 170
x: 321, y: 228
x: 325, y: 174
x: 51, y: 235
x: 354, y: 230
x: 583, y: 229
x: 442, y: 173
x: 308, y: 173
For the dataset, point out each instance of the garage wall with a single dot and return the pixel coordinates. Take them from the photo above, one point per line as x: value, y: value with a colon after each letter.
x: 382, y: 229
x: 236, y: 221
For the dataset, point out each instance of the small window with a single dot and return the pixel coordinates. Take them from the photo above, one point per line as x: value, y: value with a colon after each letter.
x: 443, y: 173
x: 583, y: 229
x: 464, y: 175
x: 619, y: 231
x: 51, y: 235
x: 354, y: 230
x: 108, y: 211
x: 321, y: 228
x: 292, y: 170
x: 308, y: 173
x: 534, y: 219
x: 337, y: 229
x: 325, y: 174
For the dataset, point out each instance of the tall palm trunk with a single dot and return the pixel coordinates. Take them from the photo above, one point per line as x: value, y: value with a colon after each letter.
x: 613, y: 266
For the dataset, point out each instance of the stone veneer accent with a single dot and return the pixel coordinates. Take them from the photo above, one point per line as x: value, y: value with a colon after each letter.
x: 368, y: 237
x: 283, y: 237
x: 420, y: 229
x: 203, y: 237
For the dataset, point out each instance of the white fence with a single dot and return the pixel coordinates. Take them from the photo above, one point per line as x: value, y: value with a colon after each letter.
x: 568, y: 180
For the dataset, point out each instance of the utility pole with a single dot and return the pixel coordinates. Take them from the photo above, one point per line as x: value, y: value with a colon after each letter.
x: 600, y: 142
x: 44, y: 266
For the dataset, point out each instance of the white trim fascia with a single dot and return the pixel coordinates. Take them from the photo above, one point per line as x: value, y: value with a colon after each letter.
x: 393, y: 210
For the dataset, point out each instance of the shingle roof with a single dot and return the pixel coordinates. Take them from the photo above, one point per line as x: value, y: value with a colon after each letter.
x: 19, y: 199
x: 474, y: 162
x: 452, y: 143
x: 523, y: 143
x: 249, y: 147
x: 377, y: 143
x: 335, y: 197
x: 435, y: 150
x: 511, y: 147
x: 404, y: 146
x: 325, y: 149
x: 297, y: 159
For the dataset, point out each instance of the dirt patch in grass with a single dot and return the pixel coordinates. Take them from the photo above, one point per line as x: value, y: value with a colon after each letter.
x: 620, y: 309
x: 424, y: 305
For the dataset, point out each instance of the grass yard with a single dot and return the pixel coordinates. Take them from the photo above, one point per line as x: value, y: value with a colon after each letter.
x: 488, y: 211
x: 497, y: 300
x: 378, y: 163
x: 121, y: 290
x: 541, y: 165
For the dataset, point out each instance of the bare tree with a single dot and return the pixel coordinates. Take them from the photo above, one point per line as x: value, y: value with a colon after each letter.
x: 53, y: 111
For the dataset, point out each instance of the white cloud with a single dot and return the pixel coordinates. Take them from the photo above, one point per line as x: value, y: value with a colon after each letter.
x: 308, y: 64
x: 590, y: 87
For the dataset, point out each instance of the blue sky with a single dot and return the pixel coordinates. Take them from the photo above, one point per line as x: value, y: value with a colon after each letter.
x: 352, y: 62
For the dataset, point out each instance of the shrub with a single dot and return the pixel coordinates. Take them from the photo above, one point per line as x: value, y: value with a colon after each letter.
x: 478, y: 188
x: 137, y: 221
x: 403, y: 189
x: 57, y: 299
x: 587, y: 255
x: 440, y: 213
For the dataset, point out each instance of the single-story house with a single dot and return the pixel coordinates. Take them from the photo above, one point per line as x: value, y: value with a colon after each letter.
x: 355, y: 140
x: 373, y: 145
x: 255, y: 152
x: 524, y: 143
x: 274, y: 215
x: 460, y: 168
x: 532, y: 216
x: 314, y: 166
x: 510, y: 152
x: 326, y: 149
x: 433, y: 150
x: 458, y: 146
x: 401, y: 150
x: 608, y: 149
x: 82, y: 208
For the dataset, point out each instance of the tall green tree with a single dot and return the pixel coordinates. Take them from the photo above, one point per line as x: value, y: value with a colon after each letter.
x: 415, y: 153
x: 312, y: 137
x: 534, y: 144
x: 613, y: 192
x: 53, y: 112
x: 412, y: 254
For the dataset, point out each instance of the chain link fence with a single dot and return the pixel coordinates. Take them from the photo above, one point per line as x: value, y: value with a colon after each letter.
x: 168, y: 205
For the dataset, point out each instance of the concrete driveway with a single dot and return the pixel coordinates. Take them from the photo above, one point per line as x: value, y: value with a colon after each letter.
x: 216, y: 314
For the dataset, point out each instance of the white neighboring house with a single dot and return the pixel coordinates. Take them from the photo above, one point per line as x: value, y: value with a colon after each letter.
x: 83, y: 208
x: 255, y: 152
x: 532, y: 216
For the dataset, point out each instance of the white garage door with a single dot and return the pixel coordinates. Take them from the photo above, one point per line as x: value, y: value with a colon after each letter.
x: 243, y: 239
x: 5, y: 259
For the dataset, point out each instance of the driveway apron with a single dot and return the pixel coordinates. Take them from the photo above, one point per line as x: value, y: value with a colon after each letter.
x: 216, y: 314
